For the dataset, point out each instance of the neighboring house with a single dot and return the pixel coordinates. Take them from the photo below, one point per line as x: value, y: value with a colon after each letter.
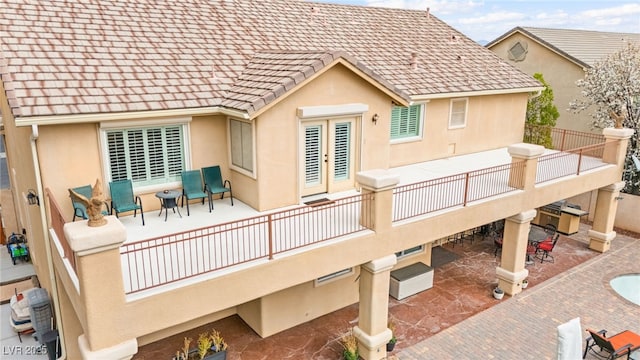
x: 562, y: 57
x: 292, y: 99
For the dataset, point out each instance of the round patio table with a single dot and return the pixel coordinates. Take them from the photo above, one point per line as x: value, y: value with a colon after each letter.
x: 168, y: 200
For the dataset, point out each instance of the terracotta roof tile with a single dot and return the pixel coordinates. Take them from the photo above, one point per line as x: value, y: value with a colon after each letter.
x: 159, y: 54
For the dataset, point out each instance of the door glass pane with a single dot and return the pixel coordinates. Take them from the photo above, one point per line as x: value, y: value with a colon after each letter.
x: 313, y: 157
x: 341, y: 156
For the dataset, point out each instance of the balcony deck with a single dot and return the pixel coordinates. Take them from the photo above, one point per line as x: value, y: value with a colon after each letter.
x: 223, y: 211
x: 178, y: 251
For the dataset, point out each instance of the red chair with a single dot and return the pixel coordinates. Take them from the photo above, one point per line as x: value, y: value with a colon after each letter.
x: 544, y: 248
x: 615, y: 346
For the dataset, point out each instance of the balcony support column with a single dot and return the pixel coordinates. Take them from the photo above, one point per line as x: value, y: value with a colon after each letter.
x: 101, y: 295
x: 372, y: 331
x: 529, y: 153
x: 377, y: 213
x: 615, y: 150
x: 511, y: 271
x: 601, y: 233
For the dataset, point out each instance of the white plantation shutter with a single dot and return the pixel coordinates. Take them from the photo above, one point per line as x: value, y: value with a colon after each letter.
x: 174, y: 150
x: 313, y: 157
x: 146, y: 156
x: 341, y: 156
x: 117, y: 155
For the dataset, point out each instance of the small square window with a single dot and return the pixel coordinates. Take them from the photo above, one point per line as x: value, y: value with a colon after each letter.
x: 458, y: 113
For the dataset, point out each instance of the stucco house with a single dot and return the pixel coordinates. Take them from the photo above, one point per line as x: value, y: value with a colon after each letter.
x: 562, y: 57
x: 409, y: 129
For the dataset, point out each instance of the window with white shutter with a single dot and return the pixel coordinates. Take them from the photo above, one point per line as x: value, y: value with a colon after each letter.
x: 147, y: 156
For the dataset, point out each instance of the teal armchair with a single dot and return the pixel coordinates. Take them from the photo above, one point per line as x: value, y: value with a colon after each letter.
x: 213, y: 183
x: 192, y: 188
x: 79, y: 210
x: 123, y: 199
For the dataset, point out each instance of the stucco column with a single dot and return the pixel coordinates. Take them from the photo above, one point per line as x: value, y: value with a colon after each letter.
x: 377, y: 212
x: 511, y: 271
x: 601, y: 232
x: 101, y: 289
x: 615, y: 149
x: 529, y: 153
x: 372, y: 331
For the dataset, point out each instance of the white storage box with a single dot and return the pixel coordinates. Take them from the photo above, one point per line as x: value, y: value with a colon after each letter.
x: 410, y: 280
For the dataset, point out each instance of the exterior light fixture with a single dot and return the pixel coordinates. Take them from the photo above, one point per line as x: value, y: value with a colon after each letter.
x: 375, y: 118
x: 33, y: 198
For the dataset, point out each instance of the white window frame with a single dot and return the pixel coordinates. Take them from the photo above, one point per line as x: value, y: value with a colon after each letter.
x: 249, y: 172
x: 421, y: 117
x: 410, y: 251
x: 156, y: 123
x: 464, y: 114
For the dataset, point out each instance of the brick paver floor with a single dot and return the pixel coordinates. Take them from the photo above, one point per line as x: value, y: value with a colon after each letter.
x: 525, y: 326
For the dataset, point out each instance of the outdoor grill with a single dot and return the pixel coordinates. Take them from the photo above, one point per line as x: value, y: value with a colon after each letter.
x: 561, y: 214
x: 554, y: 208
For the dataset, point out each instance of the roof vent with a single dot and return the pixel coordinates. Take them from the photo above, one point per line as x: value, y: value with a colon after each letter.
x: 428, y: 13
x: 414, y: 61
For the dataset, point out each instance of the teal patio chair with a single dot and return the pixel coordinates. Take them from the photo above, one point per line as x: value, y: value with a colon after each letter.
x: 192, y: 188
x: 213, y: 183
x: 79, y: 210
x: 123, y: 199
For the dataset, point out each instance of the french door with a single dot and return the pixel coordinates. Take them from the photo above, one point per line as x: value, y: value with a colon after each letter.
x: 328, y: 155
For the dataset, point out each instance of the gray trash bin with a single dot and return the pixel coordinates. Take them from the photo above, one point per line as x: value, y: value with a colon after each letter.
x: 52, y: 342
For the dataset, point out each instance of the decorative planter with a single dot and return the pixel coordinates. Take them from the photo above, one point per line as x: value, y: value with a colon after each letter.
x: 391, y: 346
x: 498, y: 293
x: 525, y: 283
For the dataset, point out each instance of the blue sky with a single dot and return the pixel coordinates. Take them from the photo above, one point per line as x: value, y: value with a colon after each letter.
x: 486, y: 20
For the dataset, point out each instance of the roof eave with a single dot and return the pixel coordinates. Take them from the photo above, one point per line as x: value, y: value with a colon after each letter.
x: 418, y: 98
x: 128, y: 115
x: 397, y: 96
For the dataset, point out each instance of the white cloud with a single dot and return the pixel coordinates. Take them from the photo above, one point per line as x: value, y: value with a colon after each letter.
x: 498, y: 16
x: 626, y: 9
x: 488, y: 19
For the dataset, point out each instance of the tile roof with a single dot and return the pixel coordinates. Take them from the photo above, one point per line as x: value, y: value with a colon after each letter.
x: 62, y: 57
x: 268, y: 76
x: 584, y: 47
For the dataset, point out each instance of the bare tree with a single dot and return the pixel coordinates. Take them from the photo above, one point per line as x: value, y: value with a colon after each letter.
x: 611, y: 93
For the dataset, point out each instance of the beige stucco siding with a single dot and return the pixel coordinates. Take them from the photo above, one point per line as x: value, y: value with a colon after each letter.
x: 558, y: 71
x: 73, y: 157
x: 278, y: 132
x: 497, y: 120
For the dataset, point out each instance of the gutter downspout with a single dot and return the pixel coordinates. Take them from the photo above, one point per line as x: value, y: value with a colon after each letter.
x: 47, y: 240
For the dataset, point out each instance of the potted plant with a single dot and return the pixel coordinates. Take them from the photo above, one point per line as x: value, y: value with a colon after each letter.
x: 498, y: 293
x: 525, y: 283
x: 350, y: 345
x: 210, y: 346
x: 392, y: 343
